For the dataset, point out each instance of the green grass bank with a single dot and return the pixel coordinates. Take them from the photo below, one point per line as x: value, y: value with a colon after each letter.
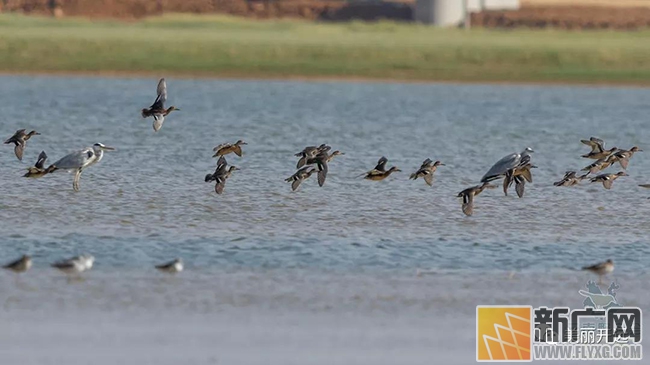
x: 234, y: 47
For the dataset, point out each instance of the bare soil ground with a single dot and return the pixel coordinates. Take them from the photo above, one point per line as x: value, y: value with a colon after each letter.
x: 567, y: 17
x: 575, y: 14
x: 607, y: 3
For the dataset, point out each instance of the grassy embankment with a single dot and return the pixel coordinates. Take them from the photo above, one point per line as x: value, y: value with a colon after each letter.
x: 232, y: 47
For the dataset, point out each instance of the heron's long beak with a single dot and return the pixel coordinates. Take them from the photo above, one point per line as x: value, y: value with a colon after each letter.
x: 106, y: 148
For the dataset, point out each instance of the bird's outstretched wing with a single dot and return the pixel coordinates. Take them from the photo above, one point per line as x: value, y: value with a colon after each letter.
x: 41, y: 160
x: 381, y: 164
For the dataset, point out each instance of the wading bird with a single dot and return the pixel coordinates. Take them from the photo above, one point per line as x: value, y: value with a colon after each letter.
x: 300, y: 176
x: 20, y: 139
x: 21, y: 265
x: 226, y: 148
x: 469, y: 194
x: 608, y: 179
x: 507, y: 163
x: 79, y: 160
x: 601, y: 269
x: 426, y: 171
x: 38, y: 170
x: 75, y: 265
x: 380, y: 172
x: 171, y: 267
x: 157, y: 109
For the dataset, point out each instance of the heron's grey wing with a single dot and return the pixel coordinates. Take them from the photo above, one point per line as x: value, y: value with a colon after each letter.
x: 381, y: 164
x: 75, y: 159
x: 41, y: 160
x: 501, y: 167
x: 19, y: 149
x: 162, y: 91
x: 158, y: 120
x: 428, y: 178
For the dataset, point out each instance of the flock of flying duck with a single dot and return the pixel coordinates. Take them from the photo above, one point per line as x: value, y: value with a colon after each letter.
x: 514, y: 168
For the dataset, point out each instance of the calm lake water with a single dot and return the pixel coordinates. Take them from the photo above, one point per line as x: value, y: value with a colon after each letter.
x: 298, y: 275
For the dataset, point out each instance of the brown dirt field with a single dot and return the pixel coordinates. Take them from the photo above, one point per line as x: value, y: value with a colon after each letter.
x: 607, y: 3
x: 566, y: 17
x: 533, y: 14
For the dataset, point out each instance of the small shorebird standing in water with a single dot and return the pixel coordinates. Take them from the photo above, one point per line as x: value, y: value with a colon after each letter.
x: 300, y: 176
x: 75, y: 265
x: 20, y: 139
x: 226, y: 148
x: 426, y: 171
x: 608, y: 179
x: 19, y: 266
x: 79, y: 160
x: 38, y: 170
x: 469, y: 194
x: 220, y: 175
x: 157, y: 109
x: 171, y: 267
x: 380, y: 172
x: 601, y: 269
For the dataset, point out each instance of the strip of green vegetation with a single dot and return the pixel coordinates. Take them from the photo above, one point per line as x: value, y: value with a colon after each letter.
x: 227, y: 46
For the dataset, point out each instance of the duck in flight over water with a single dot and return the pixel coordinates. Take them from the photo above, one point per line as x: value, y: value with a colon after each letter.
x: 426, y: 171
x: 157, y: 109
x: 20, y: 139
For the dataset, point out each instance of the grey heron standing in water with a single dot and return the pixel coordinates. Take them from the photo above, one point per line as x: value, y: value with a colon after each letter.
x: 79, y: 160
x: 506, y: 164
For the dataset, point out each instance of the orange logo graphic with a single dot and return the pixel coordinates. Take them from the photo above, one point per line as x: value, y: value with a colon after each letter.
x: 504, y: 333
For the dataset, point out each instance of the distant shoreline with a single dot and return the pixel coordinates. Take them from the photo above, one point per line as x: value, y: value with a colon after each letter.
x: 236, y: 48
x: 315, y: 78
